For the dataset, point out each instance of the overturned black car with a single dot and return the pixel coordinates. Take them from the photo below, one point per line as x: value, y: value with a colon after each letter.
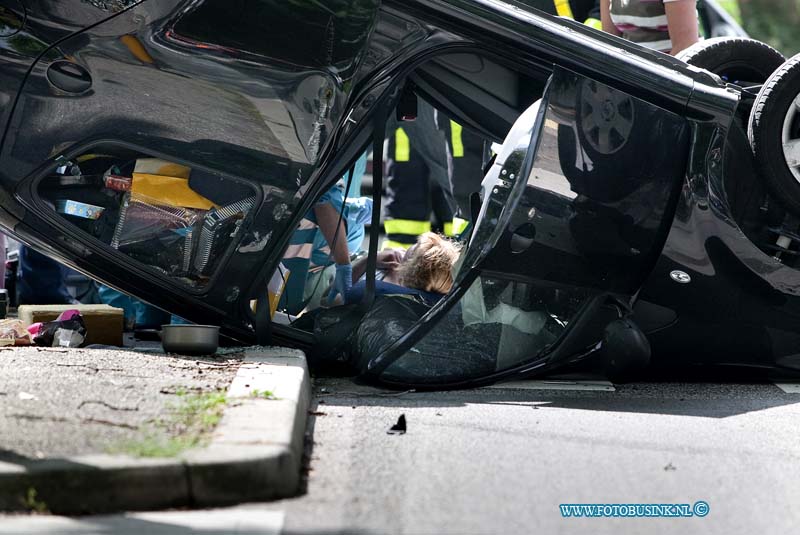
x: 640, y: 210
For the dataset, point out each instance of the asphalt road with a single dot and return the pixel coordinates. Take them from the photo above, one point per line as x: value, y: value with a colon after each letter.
x: 502, y: 460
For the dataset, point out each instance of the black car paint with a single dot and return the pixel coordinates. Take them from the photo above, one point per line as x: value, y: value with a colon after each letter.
x: 180, y: 100
x: 324, y: 84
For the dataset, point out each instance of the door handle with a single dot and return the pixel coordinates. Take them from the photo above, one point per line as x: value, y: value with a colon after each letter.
x: 69, y: 77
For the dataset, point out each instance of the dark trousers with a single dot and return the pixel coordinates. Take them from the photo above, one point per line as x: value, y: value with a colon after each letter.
x: 413, y: 197
x: 41, y: 280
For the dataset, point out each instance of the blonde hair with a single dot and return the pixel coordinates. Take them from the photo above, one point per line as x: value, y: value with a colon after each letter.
x: 428, y: 264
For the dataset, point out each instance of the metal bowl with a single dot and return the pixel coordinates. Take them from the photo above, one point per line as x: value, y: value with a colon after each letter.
x: 190, y: 339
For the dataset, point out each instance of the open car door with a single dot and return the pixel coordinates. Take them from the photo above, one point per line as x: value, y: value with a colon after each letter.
x: 165, y: 150
x: 574, y: 213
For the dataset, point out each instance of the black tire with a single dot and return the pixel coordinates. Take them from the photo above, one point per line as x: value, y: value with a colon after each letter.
x: 765, y: 130
x: 734, y: 59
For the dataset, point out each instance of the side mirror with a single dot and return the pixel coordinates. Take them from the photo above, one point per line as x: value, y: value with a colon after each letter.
x: 625, y: 350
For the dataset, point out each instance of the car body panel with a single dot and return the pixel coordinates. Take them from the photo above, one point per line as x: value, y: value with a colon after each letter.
x: 283, y: 117
x: 177, y: 96
x: 28, y: 29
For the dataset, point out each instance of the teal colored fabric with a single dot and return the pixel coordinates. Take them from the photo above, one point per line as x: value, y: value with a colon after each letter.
x: 137, y: 314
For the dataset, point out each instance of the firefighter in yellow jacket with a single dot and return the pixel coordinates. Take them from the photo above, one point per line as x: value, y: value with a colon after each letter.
x: 434, y: 165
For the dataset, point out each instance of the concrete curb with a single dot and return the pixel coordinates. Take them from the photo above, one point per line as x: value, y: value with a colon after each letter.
x: 254, y: 454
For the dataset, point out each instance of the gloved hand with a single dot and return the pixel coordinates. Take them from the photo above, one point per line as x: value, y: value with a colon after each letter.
x: 342, y: 282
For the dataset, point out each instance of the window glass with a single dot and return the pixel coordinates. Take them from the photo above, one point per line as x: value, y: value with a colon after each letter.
x: 498, y: 324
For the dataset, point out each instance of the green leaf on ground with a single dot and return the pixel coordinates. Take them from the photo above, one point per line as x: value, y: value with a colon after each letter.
x: 264, y: 394
x: 32, y: 503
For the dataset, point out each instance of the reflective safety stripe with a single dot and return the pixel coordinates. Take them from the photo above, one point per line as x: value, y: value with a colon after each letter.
x: 300, y: 250
x: 597, y: 24
x: 402, y: 147
x: 460, y: 225
x: 391, y: 244
x: 406, y: 226
x: 455, y: 137
x: 563, y: 9
x: 455, y: 227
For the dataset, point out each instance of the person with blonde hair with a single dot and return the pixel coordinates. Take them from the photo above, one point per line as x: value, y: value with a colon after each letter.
x: 428, y: 264
x: 425, y: 270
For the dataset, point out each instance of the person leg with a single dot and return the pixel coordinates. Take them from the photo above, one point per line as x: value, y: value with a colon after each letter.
x: 408, y: 205
x: 442, y: 211
x: 465, y: 166
x: 41, y: 280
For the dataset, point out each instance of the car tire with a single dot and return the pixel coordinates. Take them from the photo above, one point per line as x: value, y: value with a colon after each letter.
x: 734, y: 59
x: 774, y: 133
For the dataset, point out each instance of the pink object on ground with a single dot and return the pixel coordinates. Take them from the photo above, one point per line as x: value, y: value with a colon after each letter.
x: 35, y: 328
x: 68, y: 315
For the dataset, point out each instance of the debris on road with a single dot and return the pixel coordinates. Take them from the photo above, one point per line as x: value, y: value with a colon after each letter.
x: 104, y: 323
x: 400, y: 427
x: 67, y: 330
x: 13, y: 333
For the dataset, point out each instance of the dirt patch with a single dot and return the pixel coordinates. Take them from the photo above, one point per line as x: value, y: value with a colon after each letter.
x: 58, y: 402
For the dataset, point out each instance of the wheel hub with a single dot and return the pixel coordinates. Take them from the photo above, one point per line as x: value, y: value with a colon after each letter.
x: 606, y: 117
x: 609, y: 111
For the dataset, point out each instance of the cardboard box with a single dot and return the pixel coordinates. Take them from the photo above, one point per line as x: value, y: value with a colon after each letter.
x: 104, y: 324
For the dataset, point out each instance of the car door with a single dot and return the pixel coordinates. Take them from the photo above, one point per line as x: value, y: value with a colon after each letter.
x: 574, y: 213
x: 165, y: 148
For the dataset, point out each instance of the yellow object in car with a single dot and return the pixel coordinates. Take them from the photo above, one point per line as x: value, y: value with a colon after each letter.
x: 167, y: 183
x: 274, y: 290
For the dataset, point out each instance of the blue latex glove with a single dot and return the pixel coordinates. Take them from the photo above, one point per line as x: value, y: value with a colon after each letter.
x: 342, y: 282
x: 358, y: 210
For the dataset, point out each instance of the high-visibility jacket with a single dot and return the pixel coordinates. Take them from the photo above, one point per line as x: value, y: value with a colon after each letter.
x: 585, y: 11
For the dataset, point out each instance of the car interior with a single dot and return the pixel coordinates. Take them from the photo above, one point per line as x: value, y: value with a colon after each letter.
x: 176, y: 220
x: 483, y: 95
x: 491, y: 322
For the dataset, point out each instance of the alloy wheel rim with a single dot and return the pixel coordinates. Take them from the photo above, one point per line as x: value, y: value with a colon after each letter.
x: 606, y: 117
x: 790, y: 137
